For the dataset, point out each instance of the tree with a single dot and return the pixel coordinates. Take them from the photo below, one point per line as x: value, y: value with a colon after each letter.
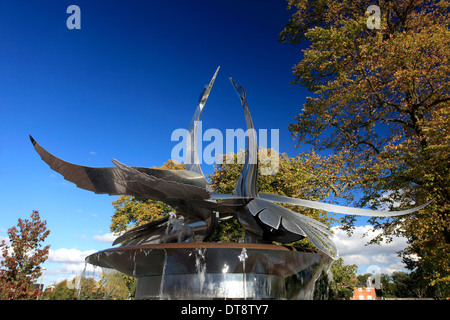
x: 20, y: 266
x: 116, y: 285
x: 419, y: 284
x: 386, y: 290
x: 79, y: 288
x: 381, y: 102
x: 63, y: 292
x: 344, y: 278
x: 403, y: 285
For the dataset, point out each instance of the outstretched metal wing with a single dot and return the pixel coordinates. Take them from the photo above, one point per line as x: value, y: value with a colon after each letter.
x: 166, y: 184
x: 186, y: 191
x: 273, y: 222
x: 337, y: 208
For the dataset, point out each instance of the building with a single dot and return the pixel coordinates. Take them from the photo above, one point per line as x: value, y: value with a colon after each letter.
x: 364, y: 293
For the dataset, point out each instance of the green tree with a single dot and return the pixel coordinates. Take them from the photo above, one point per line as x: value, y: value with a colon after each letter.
x: 22, y: 259
x: 420, y: 286
x: 63, y: 292
x: 386, y: 290
x: 344, y: 278
x: 380, y: 101
x: 87, y: 288
x: 362, y: 279
x: 116, y: 285
x: 403, y: 285
x: 79, y: 288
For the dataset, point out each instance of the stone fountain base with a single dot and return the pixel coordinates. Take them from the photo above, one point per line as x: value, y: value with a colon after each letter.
x: 187, y: 271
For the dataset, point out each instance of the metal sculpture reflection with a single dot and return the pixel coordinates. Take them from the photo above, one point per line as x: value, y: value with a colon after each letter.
x: 197, y: 206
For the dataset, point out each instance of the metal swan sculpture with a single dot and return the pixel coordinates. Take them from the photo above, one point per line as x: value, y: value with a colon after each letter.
x: 197, y: 206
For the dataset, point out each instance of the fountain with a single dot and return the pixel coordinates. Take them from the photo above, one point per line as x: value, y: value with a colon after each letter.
x: 217, y: 270
x: 171, y: 257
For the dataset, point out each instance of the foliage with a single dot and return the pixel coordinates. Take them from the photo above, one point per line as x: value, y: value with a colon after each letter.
x: 116, y: 285
x: 79, y: 288
x: 87, y: 288
x: 113, y: 285
x: 20, y: 266
x: 362, y: 279
x: 344, y: 278
x: 381, y: 103
x: 402, y: 285
x: 61, y: 291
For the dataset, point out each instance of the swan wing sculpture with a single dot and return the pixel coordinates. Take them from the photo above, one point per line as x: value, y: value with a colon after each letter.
x: 185, y: 191
x: 197, y: 206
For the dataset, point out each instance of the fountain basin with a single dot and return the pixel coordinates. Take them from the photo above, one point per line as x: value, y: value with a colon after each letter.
x: 201, y: 270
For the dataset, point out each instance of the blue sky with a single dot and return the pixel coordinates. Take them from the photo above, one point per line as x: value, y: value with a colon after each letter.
x: 117, y: 88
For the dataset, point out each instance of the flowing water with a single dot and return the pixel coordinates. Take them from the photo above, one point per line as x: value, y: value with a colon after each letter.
x: 200, y: 266
x: 163, y: 273
x: 242, y: 257
x: 79, y: 281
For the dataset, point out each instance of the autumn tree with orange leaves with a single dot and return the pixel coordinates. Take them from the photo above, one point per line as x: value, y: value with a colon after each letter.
x: 22, y: 259
x: 380, y: 100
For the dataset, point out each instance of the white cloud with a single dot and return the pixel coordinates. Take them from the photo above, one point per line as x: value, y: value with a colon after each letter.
x: 72, y: 269
x: 65, y: 264
x: 54, y: 274
x: 68, y: 255
x: 107, y: 237
x: 354, y: 250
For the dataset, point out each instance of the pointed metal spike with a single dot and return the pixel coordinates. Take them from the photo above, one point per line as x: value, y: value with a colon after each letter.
x: 192, y: 160
x: 246, y: 184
